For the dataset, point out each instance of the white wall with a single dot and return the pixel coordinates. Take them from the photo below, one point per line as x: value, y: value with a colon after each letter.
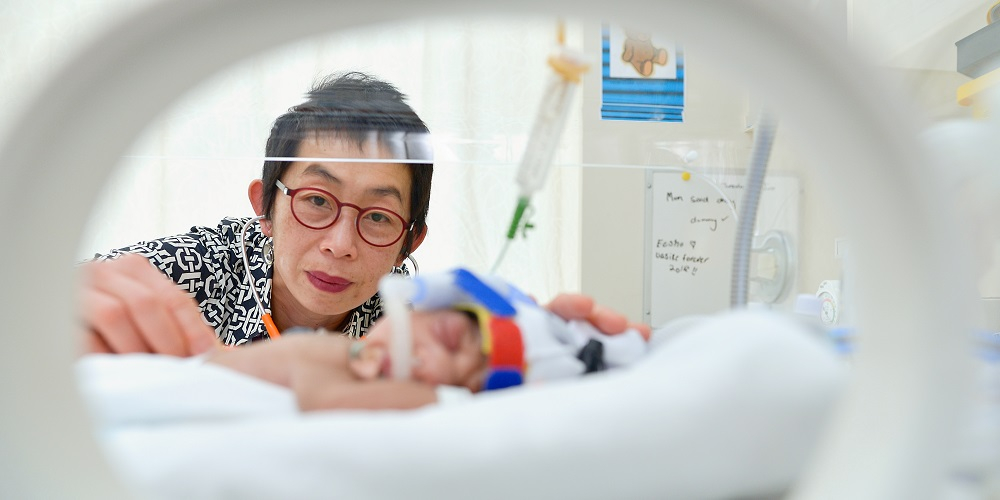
x: 912, y: 41
x: 614, y: 197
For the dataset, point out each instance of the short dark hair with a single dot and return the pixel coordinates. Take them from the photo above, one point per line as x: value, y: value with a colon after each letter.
x: 352, y: 105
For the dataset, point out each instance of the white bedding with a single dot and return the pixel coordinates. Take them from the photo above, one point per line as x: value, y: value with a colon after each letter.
x: 728, y: 408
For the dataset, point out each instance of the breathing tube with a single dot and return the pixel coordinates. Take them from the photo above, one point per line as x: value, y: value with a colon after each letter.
x: 763, y: 142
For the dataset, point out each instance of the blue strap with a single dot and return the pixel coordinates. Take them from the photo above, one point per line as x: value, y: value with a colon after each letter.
x: 502, y: 379
x: 483, y: 293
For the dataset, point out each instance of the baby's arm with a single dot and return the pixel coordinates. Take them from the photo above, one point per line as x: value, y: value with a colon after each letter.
x: 315, y: 368
x: 315, y: 389
x: 270, y: 361
x: 288, y: 359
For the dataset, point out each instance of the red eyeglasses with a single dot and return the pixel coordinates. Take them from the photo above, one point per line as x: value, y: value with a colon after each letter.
x: 318, y: 209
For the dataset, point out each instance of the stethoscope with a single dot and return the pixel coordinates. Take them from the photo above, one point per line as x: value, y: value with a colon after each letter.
x: 272, y: 329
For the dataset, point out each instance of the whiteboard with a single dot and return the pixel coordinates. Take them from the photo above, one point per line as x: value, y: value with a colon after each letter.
x: 690, y: 235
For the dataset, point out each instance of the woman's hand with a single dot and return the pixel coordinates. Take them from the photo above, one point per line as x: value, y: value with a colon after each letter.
x: 127, y: 306
x: 574, y: 306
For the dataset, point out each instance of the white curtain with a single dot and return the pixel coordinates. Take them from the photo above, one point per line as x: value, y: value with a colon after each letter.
x: 476, y: 82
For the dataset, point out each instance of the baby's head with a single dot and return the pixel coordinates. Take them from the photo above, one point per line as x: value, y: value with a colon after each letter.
x: 472, y: 331
x: 447, y: 349
x: 467, y: 346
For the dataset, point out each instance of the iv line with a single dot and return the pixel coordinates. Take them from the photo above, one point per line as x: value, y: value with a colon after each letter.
x: 567, y: 67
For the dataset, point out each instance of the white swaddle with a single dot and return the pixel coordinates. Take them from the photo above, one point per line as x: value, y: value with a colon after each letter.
x: 731, y: 407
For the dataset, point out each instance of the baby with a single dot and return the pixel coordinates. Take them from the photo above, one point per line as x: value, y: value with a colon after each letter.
x: 470, y: 332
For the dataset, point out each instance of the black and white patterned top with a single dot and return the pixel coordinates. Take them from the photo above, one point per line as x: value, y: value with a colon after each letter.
x: 207, y: 263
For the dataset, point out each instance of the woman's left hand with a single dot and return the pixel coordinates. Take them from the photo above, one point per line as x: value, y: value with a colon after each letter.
x: 574, y: 306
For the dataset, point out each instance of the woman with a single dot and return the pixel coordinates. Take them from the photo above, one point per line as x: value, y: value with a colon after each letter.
x: 327, y: 232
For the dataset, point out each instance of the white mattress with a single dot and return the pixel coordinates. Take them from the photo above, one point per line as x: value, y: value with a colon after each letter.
x: 731, y: 407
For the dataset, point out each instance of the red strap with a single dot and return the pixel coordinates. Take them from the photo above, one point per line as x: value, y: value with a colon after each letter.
x: 508, y: 346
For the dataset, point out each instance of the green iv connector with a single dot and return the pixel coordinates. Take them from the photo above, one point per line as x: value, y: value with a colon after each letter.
x: 522, y: 205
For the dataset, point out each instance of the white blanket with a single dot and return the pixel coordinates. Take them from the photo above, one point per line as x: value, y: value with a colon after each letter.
x: 731, y: 407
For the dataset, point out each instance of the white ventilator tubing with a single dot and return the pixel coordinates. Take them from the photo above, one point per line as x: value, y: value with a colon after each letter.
x: 397, y: 292
x: 889, y: 438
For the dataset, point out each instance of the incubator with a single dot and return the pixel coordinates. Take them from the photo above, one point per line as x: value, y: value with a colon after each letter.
x: 705, y: 218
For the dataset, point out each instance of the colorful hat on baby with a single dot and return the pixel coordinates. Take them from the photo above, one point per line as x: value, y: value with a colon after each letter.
x: 521, y: 341
x: 503, y: 345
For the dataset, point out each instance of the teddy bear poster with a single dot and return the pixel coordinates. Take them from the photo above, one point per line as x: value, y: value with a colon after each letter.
x: 639, y: 54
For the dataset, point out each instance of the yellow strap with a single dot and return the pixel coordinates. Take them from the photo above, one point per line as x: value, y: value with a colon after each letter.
x: 969, y: 90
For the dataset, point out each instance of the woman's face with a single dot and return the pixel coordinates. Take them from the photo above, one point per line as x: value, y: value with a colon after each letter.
x: 321, y: 275
x: 446, y: 348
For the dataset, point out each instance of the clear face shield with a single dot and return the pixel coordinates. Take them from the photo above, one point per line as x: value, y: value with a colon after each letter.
x: 410, y: 148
